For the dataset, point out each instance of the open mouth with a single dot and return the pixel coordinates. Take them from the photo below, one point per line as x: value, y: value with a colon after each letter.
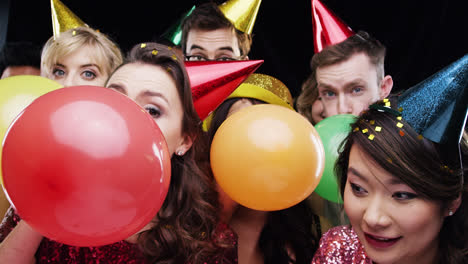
x: 381, y: 242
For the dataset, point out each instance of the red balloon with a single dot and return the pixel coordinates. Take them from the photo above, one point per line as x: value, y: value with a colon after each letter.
x: 85, y: 166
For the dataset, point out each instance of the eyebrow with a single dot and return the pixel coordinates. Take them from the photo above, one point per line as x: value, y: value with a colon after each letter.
x: 355, y: 82
x: 147, y: 93
x: 155, y: 94
x: 392, y: 181
x: 356, y: 173
x: 221, y: 48
x: 118, y: 87
x: 325, y: 86
x: 81, y: 66
x: 352, y: 83
x: 90, y: 65
x: 60, y: 65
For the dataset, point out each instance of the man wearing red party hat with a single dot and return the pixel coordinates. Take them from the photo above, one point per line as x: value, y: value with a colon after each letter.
x: 347, y: 75
x: 347, y: 70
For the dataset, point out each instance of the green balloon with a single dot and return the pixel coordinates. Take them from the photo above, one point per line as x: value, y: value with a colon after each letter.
x: 332, y: 131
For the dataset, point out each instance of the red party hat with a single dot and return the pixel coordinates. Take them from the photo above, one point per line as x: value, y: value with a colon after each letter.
x: 213, y: 81
x: 327, y: 27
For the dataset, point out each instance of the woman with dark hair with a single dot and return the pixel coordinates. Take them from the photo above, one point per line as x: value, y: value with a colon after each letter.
x: 285, y: 236
x: 403, y: 193
x: 186, y: 229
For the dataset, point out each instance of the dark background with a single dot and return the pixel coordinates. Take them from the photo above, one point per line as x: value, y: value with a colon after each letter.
x: 421, y: 36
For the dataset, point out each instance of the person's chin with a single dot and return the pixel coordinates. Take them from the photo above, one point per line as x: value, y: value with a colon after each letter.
x: 381, y: 249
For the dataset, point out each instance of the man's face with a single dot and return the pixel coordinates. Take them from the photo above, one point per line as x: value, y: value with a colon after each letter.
x: 349, y: 87
x: 220, y: 44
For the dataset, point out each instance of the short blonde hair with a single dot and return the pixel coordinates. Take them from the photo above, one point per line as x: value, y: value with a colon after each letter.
x: 107, y: 54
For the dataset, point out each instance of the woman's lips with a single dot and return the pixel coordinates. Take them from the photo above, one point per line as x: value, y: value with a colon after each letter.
x: 379, y: 241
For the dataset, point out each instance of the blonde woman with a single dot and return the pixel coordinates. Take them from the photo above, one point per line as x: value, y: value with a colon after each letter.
x: 80, y: 56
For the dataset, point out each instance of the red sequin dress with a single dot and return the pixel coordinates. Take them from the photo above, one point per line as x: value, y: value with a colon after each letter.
x: 50, y: 251
x: 340, y: 245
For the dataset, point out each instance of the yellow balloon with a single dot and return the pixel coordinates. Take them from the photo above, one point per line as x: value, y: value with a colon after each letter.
x: 267, y: 157
x: 16, y: 93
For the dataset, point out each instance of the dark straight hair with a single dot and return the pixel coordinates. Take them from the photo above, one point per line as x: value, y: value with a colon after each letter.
x: 426, y: 167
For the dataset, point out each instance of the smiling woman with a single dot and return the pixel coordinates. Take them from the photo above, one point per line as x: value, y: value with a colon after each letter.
x: 80, y: 56
x: 403, y: 194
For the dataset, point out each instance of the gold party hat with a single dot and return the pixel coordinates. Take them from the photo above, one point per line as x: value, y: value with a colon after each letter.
x: 262, y: 87
x: 265, y: 88
x: 242, y: 13
x: 63, y: 18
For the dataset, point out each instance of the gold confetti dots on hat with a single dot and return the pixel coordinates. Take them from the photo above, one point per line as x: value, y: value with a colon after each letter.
x: 372, y: 122
x: 400, y: 109
x: 143, y: 45
x: 420, y: 137
x: 386, y: 102
x: 371, y: 137
x: 356, y: 129
x: 174, y: 57
x: 399, y: 125
x: 389, y: 160
x: 365, y: 130
x: 378, y: 128
x: 154, y: 52
x: 399, y: 118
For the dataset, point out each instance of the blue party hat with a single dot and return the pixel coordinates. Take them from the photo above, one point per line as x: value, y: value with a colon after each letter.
x: 437, y: 107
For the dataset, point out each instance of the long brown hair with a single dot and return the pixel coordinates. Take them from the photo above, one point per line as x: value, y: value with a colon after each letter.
x: 424, y: 166
x: 185, y: 224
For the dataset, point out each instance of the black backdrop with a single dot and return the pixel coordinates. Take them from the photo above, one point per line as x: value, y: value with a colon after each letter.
x: 421, y: 36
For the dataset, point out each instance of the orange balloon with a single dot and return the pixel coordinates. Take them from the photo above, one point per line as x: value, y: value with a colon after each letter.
x: 267, y: 157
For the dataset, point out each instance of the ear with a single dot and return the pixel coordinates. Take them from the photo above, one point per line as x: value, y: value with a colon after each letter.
x: 184, y: 146
x: 453, y: 207
x: 386, y: 86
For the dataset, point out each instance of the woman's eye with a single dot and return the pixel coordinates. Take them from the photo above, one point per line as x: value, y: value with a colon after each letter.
x: 89, y: 75
x: 358, y: 190
x: 58, y: 72
x: 153, y: 111
x: 404, y: 195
